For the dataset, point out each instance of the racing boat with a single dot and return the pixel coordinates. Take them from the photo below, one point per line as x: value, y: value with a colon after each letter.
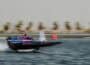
x: 18, y: 43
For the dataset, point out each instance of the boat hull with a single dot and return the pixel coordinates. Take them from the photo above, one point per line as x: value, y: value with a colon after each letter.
x: 33, y: 45
x: 28, y: 44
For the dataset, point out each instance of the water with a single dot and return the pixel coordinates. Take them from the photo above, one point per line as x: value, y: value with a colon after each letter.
x: 71, y: 52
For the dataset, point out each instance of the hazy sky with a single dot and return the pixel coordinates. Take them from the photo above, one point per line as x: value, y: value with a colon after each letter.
x: 45, y: 10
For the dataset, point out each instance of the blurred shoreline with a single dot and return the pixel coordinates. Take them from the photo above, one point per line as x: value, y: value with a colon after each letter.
x: 61, y: 35
x: 69, y: 32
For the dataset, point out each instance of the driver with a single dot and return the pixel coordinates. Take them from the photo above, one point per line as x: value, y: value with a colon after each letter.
x: 26, y: 37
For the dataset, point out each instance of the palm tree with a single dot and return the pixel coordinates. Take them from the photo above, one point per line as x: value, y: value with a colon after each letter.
x: 55, y: 26
x: 67, y: 26
x: 41, y: 26
x: 18, y: 26
x: 29, y: 27
x: 6, y: 27
x: 88, y: 29
x: 78, y: 26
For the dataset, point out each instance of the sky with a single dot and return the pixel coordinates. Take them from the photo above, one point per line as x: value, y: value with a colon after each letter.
x: 46, y: 11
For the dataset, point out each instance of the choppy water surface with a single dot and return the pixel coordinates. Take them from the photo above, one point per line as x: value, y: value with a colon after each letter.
x: 71, y: 52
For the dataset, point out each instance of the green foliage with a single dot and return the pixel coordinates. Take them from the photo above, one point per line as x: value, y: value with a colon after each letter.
x: 78, y: 26
x: 6, y: 26
x: 19, y: 24
x: 67, y: 25
x: 40, y: 26
x: 29, y: 26
x: 55, y: 26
